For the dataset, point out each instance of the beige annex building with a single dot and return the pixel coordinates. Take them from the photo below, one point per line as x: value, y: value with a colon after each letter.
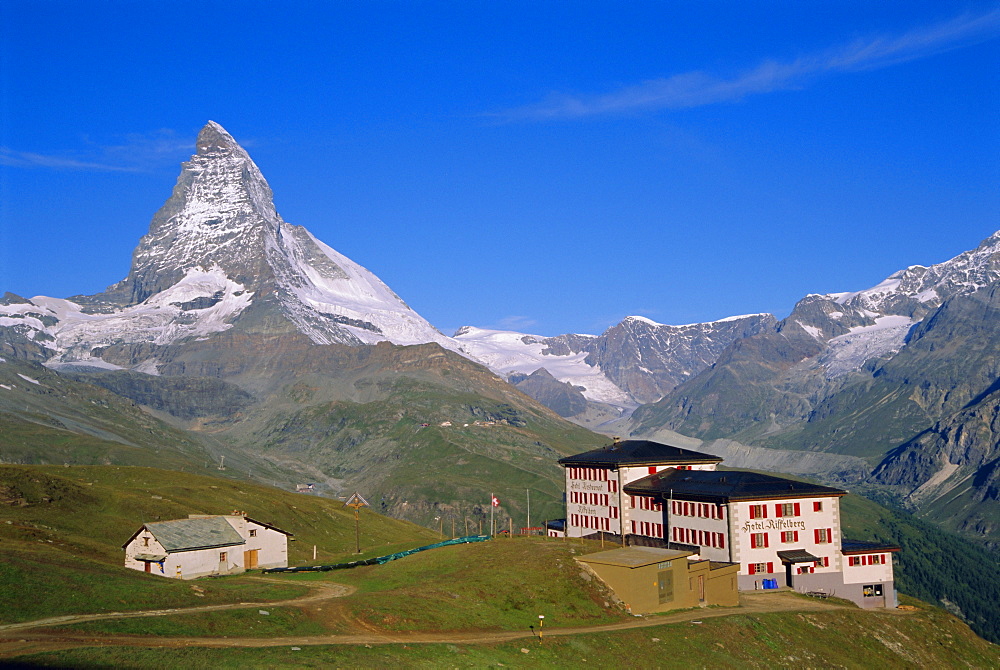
x: 650, y: 579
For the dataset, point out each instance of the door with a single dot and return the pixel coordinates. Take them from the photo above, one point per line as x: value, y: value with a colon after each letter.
x: 148, y: 568
x: 250, y: 559
x: 701, y: 588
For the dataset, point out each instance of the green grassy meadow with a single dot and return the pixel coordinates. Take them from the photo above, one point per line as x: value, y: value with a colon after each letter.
x: 929, y: 638
x: 61, y: 531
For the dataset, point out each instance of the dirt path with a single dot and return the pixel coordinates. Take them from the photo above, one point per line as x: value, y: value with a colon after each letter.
x: 14, y: 643
x: 320, y: 592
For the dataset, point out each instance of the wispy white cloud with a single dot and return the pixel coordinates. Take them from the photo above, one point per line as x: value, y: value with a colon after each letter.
x: 135, y: 152
x: 12, y: 158
x: 698, y: 88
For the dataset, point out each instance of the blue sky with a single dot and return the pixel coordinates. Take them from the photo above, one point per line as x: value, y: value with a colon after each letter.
x: 548, y: 167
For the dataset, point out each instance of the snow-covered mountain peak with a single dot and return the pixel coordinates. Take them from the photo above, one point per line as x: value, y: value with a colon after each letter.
x: 901, y: 291
x: 219, y: 256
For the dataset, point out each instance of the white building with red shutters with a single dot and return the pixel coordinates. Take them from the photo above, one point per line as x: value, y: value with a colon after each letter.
x: 781, y: 532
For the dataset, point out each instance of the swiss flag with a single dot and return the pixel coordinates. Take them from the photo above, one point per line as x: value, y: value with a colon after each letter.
x: 496, y: 501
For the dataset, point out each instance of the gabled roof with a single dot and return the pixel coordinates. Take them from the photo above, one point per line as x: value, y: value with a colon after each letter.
x: 267, y: 525
x: 639, y: 452
x: 723, y: 486
x: 859, y: 547
x: 191, y: 534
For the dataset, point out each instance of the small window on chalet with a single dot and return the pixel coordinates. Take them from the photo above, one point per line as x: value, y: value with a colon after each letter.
x: 222, y: 556
x: 145, y: 541
x: 253, y: 532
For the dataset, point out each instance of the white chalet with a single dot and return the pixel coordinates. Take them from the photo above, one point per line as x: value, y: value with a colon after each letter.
x: 204, y: 545
x: 780, y: 532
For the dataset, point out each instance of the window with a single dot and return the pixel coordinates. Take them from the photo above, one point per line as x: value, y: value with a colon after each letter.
x: 759, y: 568
x: 854, y: 560
x: 222, y: 556
x: 145, y: 541
x: 787, y: 509
x: 822, y: 563
x: 871, y: 590
x: 817, y: 506
x: 823, y: 535
x: 253, y: 532
x: 758, y: 511
x: 789, y: 536
x: 758, y: 540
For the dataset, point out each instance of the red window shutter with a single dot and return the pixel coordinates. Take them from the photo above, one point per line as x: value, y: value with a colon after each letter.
x: 817, y: 505
x: 652, y: 469
x: 722, y: 541
x: 796, y: 536
x: 633, y: 527
x: 770, y: 567
x: 763, y: 509
x: 798, y: 509
x: 829, y: 534
x: 752, y: 569
x: 753, y: 541
x: 816, y: 535
x: 765, y: 544
x: 777, y: 510
x: 754, y: 511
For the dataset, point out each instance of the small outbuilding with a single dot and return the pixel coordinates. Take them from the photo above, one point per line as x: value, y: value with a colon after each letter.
x: 203, y: 545
x: 650, y: 579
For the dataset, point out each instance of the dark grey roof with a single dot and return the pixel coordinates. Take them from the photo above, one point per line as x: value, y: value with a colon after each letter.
x: 797, y: 556
x: 639, y: 452
x: 723, y: 486
x: 859, y: 547
x: 190, y: 534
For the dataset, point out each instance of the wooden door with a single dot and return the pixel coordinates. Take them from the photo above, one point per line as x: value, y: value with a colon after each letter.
x: 250, y: 559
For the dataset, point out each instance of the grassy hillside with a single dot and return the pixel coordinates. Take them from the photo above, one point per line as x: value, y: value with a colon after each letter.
x: 503, y: 585
x: 843, y: 638
x: 61, y: 531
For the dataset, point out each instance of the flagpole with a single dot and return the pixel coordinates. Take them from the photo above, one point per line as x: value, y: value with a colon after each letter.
x: 528, y: 492
x: 492, y: 527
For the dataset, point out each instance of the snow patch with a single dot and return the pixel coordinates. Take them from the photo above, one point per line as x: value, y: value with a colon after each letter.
x: 507, y: 352
x: 28, y: 379
x: 159, y: 319
x: 847, y: 353
x: 812, y: 330
x: 4, y: 386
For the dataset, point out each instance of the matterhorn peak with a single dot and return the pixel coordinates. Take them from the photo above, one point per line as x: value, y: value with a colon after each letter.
x: 218, y: 256
x: 213, y: 138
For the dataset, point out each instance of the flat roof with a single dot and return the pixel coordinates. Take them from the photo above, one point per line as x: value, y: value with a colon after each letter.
x: 639, y: 452
x: 860, y: 547
x: 634, y: 557
x: 723, y: 486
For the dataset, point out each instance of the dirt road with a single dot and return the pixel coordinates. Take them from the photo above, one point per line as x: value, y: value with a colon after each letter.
x: 31, y: 637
